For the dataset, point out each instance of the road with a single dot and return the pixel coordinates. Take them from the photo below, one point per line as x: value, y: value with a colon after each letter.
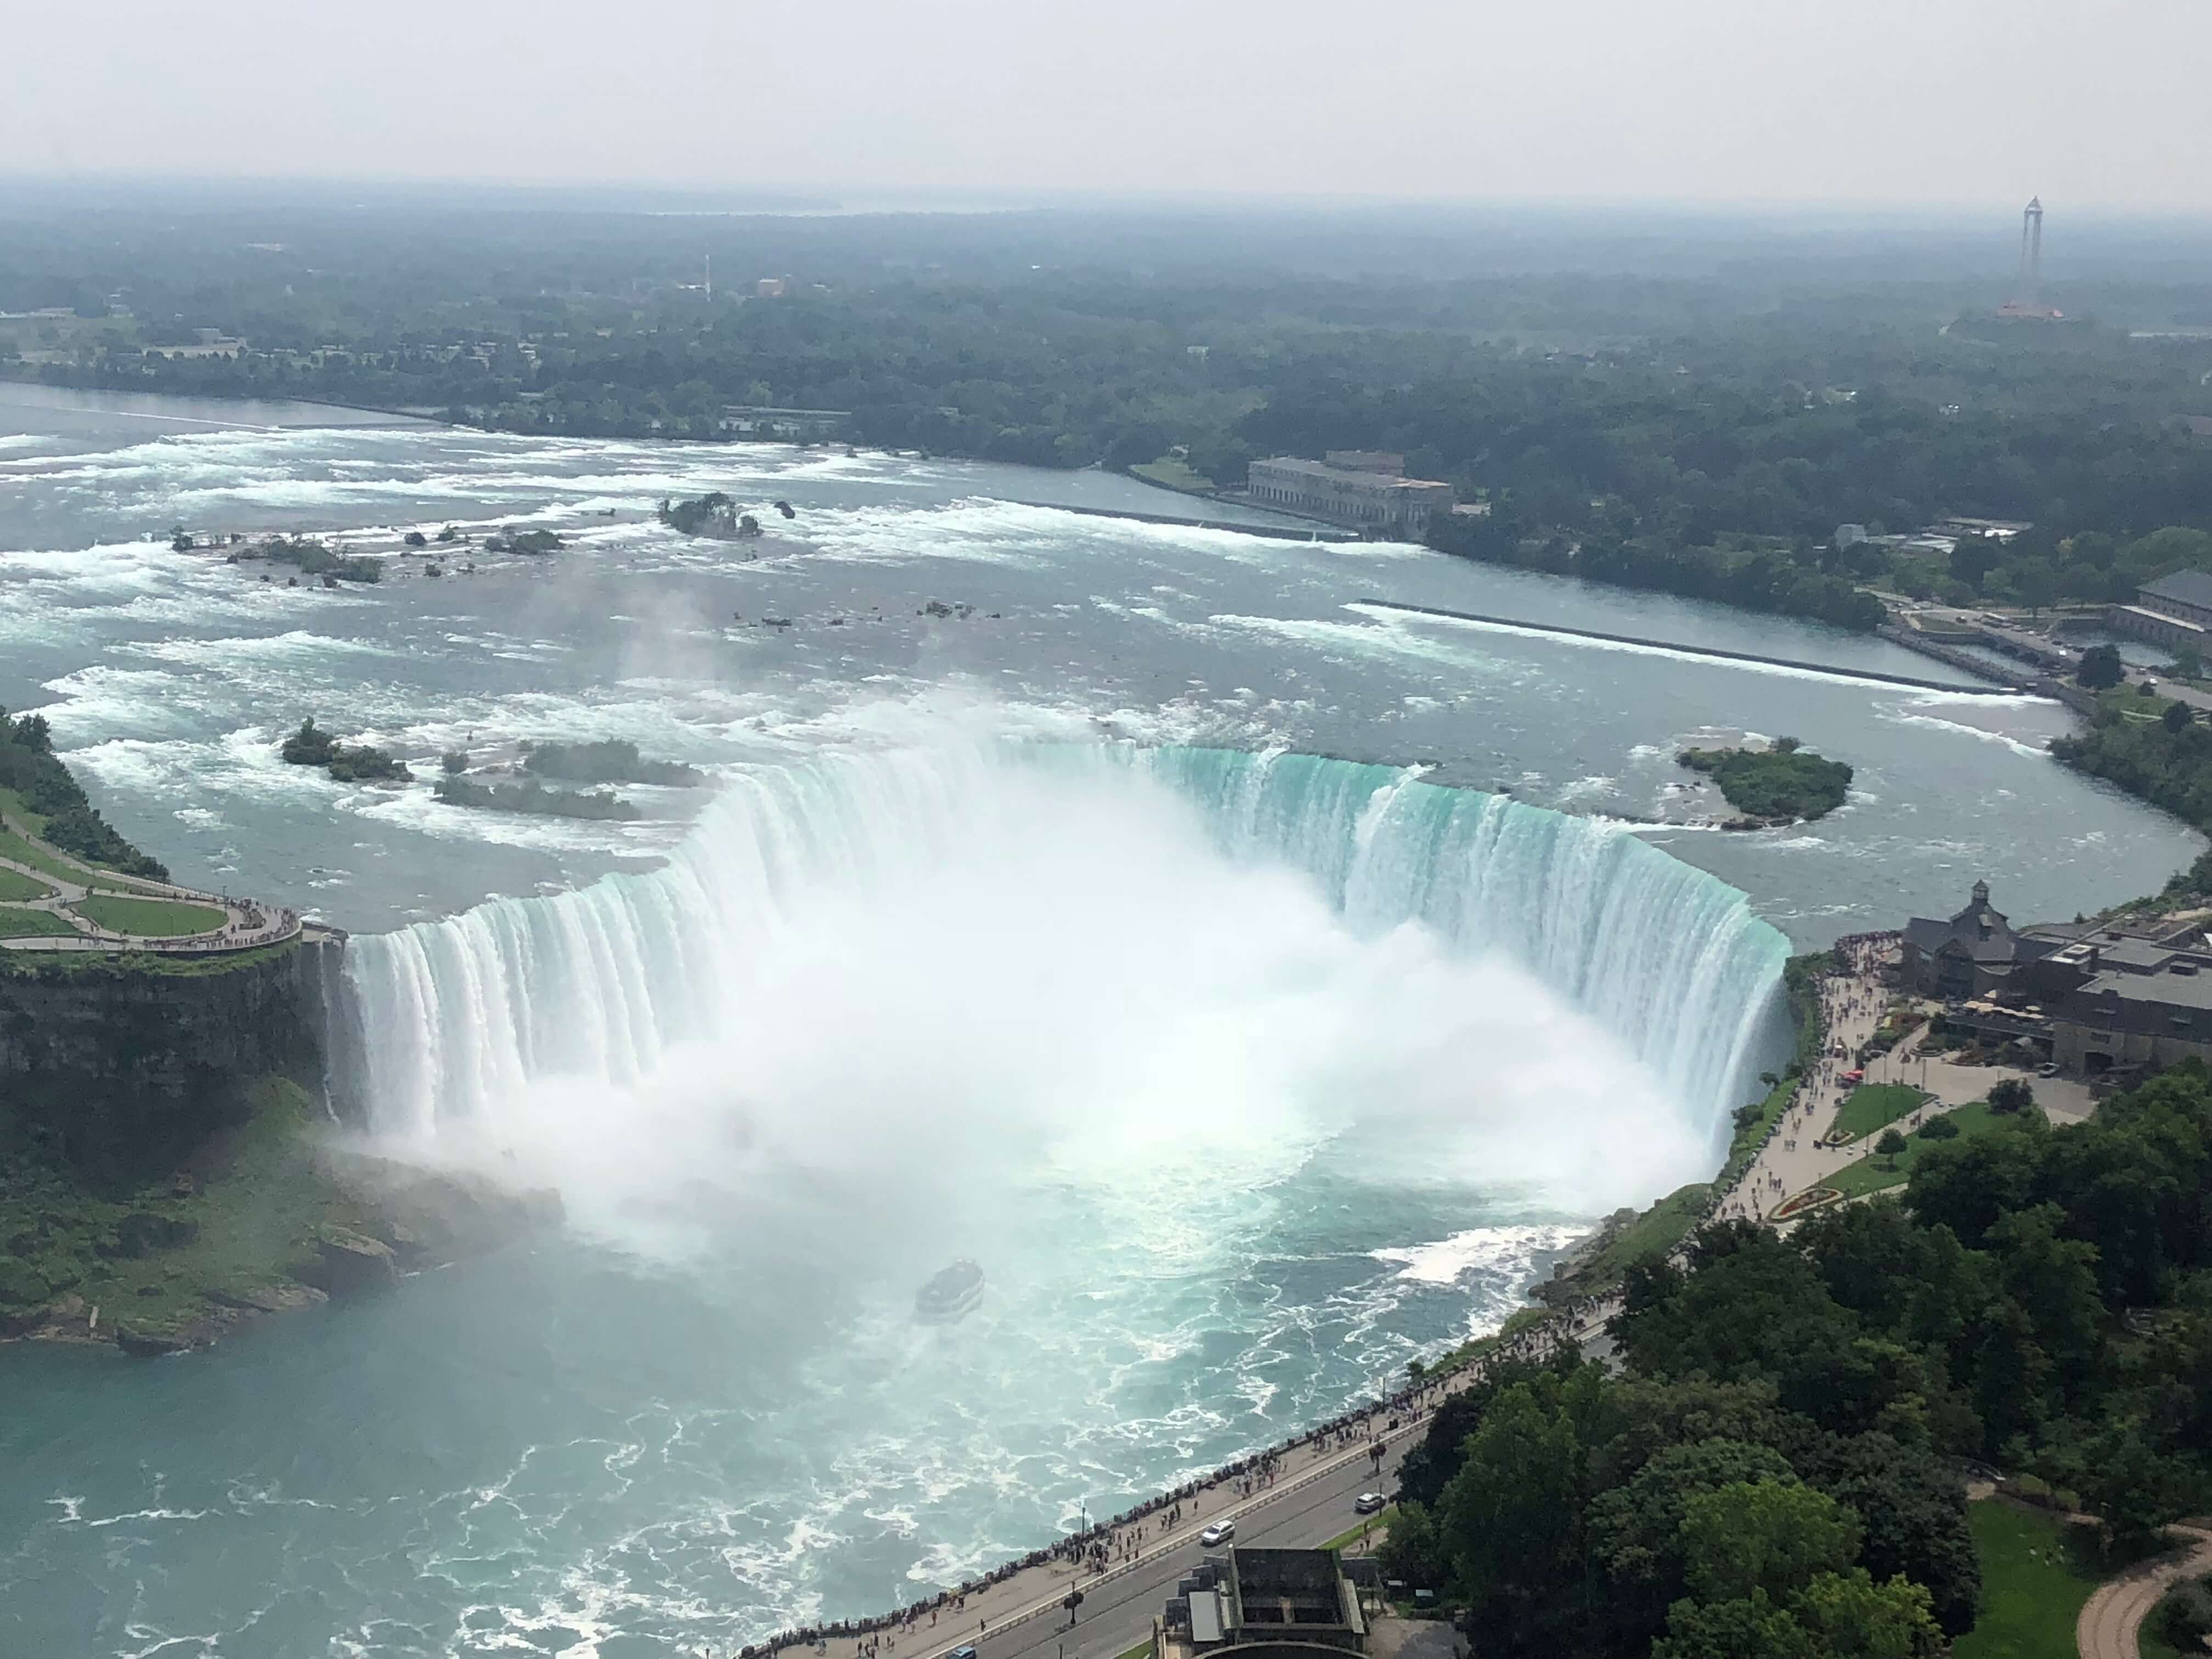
x: 1118, y: 1608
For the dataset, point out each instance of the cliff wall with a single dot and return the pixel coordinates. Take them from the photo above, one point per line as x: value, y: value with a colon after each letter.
x: 119, y: 1065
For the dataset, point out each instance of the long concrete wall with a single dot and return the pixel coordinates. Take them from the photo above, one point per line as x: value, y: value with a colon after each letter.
x: 1983, y: 688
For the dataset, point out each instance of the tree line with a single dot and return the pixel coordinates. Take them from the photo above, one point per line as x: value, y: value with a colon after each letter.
x: 1775, y: 1472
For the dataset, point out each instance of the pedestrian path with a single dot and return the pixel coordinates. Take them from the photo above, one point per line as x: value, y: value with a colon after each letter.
x: 247, y: 924
x: 2110, y: 1623
x: 1804, y: 1155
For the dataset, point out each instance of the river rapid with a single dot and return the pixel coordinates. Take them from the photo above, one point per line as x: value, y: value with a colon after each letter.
x: 1262, y: 985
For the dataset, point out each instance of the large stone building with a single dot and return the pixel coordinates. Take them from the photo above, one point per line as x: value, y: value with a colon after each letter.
x: 2094, y: 998
x: 1966, y: 955
x: 2174, y: 612
x: 1353, y: 487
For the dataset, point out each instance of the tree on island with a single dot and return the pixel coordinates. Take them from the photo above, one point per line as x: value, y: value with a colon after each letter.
x: 309, y: 746
x: 2100, y: 669
x: 2010, y: 1096
x: 1891, y: 1147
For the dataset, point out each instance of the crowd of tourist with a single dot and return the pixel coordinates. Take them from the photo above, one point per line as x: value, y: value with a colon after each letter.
x: 1112, y: 1543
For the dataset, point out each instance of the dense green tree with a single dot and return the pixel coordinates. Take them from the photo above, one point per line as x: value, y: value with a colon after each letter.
x: 1512, y: 1517
x: 1753, y: 1628
x: 2100, y: 668
x: 1771, y: 1535
x: 1914, y: 1511
x: 1636, y: 1528
x: 1853, y: 1617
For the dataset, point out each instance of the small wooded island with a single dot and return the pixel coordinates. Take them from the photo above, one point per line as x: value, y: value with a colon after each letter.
x: 1784, y: 783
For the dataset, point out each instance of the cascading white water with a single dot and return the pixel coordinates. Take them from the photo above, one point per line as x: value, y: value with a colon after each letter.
x: 461, y: 1017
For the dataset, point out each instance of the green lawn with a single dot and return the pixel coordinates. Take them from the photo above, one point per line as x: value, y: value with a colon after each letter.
x: 1174, y: 473
x: 1873, y: 1106
x: 1873, y: 1173
x: 15, y: 886
x: 39, y: 857
x: 32, y: 924
x: 149, y: 918
x: 2032, y: 1588
x: 1651, y: 1234
x: 13, y: 846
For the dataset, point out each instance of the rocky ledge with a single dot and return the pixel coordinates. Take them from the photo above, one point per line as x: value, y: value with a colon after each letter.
x: 269, y: 1216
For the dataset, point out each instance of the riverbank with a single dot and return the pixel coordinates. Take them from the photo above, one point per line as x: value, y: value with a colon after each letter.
x: 271, y: 1212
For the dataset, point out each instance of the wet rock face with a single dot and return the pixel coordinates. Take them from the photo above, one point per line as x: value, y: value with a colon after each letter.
x: 120, y: 1070
x: 148, y: 1344
x: 348, y: 1264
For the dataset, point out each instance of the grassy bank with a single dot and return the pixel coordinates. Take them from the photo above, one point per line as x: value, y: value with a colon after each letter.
x: 1657, y: 1230
x: 2035, y: 1577
x: 265, y: 1215
x: 90, y: 966
x: 1172, y: 472
x: 226, y: 1229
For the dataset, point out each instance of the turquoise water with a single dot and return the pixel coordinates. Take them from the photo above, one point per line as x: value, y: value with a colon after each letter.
x: 1037, y: 934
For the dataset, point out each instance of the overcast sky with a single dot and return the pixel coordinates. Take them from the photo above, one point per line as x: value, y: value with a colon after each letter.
x: 2099, y: 105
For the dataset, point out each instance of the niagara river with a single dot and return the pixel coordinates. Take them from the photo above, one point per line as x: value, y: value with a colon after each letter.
x: 1263, y: 986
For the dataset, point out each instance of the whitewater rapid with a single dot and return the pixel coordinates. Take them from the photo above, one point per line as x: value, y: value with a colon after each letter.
x: 467, y: 1019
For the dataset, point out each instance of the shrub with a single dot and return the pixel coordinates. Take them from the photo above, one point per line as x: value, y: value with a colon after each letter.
x: 2184, y: 1619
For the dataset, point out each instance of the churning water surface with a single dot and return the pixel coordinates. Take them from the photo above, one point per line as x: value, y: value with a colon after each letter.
x: 1075, y: 895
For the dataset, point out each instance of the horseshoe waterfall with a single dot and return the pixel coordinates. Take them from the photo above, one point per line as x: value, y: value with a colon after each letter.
x: 463, y: 1016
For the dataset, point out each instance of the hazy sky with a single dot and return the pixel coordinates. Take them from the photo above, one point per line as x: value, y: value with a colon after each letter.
x: 2097, y: 106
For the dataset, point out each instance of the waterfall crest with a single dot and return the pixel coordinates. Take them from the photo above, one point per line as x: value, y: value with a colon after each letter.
x: 599, y: 983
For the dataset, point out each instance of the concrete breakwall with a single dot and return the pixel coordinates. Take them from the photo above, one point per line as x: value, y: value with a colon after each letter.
x: 1982, y: 688
x: 1276, y: 532
x: 1943, y: 652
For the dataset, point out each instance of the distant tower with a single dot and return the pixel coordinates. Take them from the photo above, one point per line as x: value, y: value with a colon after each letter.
x: 2031, y: 255
x: 2027, y: 292
x: 710, y: 268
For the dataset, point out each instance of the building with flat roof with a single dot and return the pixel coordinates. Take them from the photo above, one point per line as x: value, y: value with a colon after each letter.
x: 1364, y: 497
x: 1367, y: 460
x: 762, y: 420
x: 1263, y: 1604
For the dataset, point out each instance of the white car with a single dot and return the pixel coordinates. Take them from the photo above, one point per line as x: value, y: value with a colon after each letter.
x: 1369, y: 1501
x: 1219, y: 1533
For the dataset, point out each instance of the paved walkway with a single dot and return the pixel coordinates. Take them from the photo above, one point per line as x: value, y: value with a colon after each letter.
x: 2110, y: 1623
x: 245, y: 923
x: 1801, y: 1154
x: 1144, y: 1554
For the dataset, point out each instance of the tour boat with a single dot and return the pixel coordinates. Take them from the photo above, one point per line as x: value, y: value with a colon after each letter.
x: 952, y: 1293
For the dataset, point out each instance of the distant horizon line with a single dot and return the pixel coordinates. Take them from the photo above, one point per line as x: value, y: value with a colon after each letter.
x: 759, y: 200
